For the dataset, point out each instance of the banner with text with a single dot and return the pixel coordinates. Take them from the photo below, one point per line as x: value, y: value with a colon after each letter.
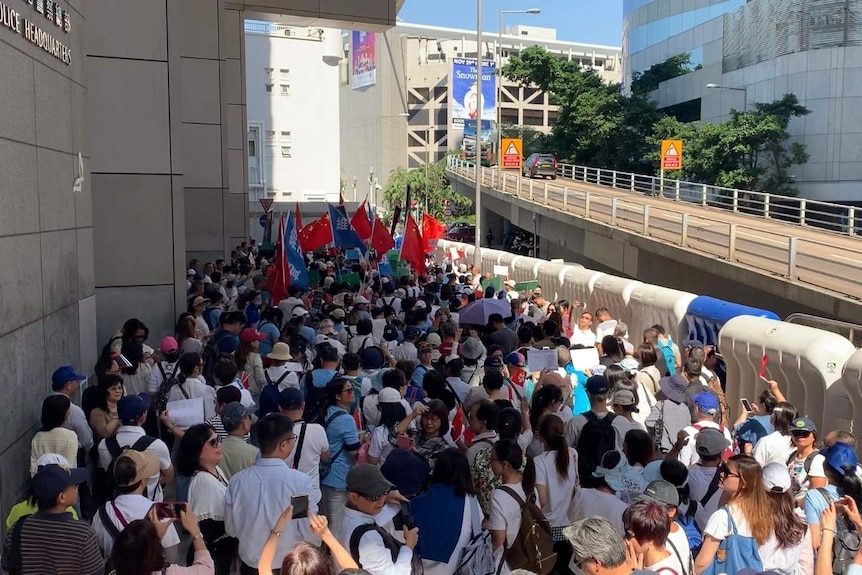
x: 364, y: 59
x: 465, y: 98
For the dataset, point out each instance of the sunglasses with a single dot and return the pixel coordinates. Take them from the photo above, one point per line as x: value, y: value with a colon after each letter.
x: 725, y: 471
x: 373, y: 499
x: 800, y: 433
x: 215, y: 441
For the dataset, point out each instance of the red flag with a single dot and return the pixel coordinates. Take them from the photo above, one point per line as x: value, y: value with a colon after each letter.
x: 432, y: 230
x: 298, y: 219
x: 360, y: 222
x: 381, y: 241
x: 279, y: 278
x: 412, y: 246
x: 316, y: 234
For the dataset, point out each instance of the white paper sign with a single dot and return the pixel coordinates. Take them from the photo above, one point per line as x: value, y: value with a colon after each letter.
x: 583, y: 359
x: 186, y: 412
x: 501, y: 270
x: 542, y: 359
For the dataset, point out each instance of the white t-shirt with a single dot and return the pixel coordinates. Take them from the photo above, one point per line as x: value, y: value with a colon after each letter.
x: 699, y: 478
x: 680, y: 541
x: 380, y: 447
x: 590, y: 502
x: 131, y: 507
x: 313, y: 447
x: 797, y: 559
x: 585, y: 338
x: 773, y: 448
x: 201, y: 328
x: 505, y: 512
x: 276, y: 372
x: 669, y: 565
x: 194, y: 387
x: 687, y: 455
x: 797, y: 472
x: 126, y: 436
x: 560, y: 490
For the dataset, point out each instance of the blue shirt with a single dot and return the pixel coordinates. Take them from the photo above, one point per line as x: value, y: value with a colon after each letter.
x: 308, y: 333
x: 755, y: 429
x: 580, y: 400
x: 270, y: 330
x: 342, y: 436
x: 252, y: 314
x: 320, y: 377
x: 815, y: 503
x: 227, y: 342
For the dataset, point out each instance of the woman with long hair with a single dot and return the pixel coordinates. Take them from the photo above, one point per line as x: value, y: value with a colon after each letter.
x: 547, y: 400
x: 135, y: 376
x: 103, y: 417
x: 191, y: 385
x: 198, y: 457
x: 777, y: 446
x: 507, y: 500
x: 648, y: 375
x: 556, y: 481
x: 305, y: 558
x: 392, y: 413
x: 646, y: 531
x: 639, y: 448
x: 447, y: 514
x: 791, y: 532
x: 249, y: 362
x: 842, y: 482
x: 613, y: 350
x: 509, y: 426
x: 53, y: 437
x: 748, y: 514
x: 138, y: 548
x: 186, y: 337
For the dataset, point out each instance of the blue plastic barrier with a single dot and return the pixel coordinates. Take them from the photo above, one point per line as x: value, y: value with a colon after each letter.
x: 707, y: 315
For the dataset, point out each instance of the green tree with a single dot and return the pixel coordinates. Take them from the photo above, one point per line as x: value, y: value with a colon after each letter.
x: 646, y: 82
x: 433, y: 194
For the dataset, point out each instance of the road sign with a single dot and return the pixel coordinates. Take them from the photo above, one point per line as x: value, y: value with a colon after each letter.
x: 447, y: 213
x: 262, y: 220
x: 671, y: 154
x: 512, y: 148
x: 266, y: 204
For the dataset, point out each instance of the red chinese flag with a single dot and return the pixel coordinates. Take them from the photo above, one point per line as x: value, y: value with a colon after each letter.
x: 360, y: 222
x: 316, y: 234
x: 381, y: 241
x: 413, y: 247
x: 298, y: 219
x: 432, y: 230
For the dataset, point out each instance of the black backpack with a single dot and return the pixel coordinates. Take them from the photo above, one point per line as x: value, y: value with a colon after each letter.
x: 115, y: 450
x: 416, y: 565
x: 169, y: 379
x: 268, y: 402
x: 847, y: 539
x: 315, y: 401
x: 597, y: 437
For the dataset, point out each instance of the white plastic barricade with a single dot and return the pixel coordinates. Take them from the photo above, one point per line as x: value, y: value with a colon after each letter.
x: 551, y: 276
x: 489, y: 259
x: 806, y: 362
x: 852, y: 379
x: 613, y: 293
x: 650, y: 305
x: 578, y: 286
x: 525, y: 269
x: 509, y: 260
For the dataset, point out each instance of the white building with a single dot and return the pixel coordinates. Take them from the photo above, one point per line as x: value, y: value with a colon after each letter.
x: 292, y: 76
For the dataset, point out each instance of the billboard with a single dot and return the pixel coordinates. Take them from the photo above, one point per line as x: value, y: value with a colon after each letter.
x: 464, y: 102
x: 363, y: 59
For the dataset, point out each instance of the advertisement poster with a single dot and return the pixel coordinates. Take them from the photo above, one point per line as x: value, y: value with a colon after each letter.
x: 363, y: 58
x: 465, y: 99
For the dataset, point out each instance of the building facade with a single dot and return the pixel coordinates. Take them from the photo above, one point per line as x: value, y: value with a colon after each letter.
x: 763, y: 49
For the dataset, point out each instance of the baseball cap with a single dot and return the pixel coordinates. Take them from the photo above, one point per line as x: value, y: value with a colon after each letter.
x: 299, y: 312
x: 290, y: 398
x: 623, y: 398
x: 52, y: 459
x: 776, y: 477
x: 840, y: 457
x: 389, y: 395
x: 494, y: 362
x: 629, y: 364
x: 706, y: 402
x: 233, y: 414
x: 326, y: 327
x: 412, y: 332
x: 367, y: 479
x: 710, y: 442
x: 597, y: 385
x: 802, y: 424
x: 515, y: 358
x: 360, y: 299
x: 63, y: 375
x: 132, y: 407
x: 510, y: 283
x: 337, y: 313
x: 661, y: 491
x: 250, y: 334
x: 434, y: 339
x: 146, y: 464
x: 51, y: 480
x: 190, y: 272
x: 168, y: 344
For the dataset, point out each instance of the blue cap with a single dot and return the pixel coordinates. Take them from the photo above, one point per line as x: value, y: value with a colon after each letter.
x: 597, y: 385
x: 412, y: 332
x: 841, y: 458
x: 131, y: 407
x: 290, y: 398
x: 63, y: 375
x: 407, y: 470
x: 52, y: 480
x: 706, y: 402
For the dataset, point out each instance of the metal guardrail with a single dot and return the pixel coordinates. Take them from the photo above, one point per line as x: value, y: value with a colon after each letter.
x: 833, y: 263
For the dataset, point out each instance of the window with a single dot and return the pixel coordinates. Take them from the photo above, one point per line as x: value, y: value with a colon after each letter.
x: 285, y: 90
x: 285, y: 136
x: 286, y: 152
x: 284, y: 73
x: 269, y: 88
x: 270, y: 135
x: 268, y: 73
x: 255, y: 162
x: 252, y: 148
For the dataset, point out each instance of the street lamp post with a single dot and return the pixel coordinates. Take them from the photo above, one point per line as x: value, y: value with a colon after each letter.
x: 499, y: 54
x: 744, y: 91
x: 477, y: 261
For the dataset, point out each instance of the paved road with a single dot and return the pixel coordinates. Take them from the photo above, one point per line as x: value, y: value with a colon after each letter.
x: 829, y: 261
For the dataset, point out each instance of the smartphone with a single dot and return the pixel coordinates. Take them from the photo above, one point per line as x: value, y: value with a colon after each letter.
x: 746, y: 405
x: 123, y: 361
x: 405, y: 441
x: 406, y: 515
x: 300, y: 506
x: 168, y: 509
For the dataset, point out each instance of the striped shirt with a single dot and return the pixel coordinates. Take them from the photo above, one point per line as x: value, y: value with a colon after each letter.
x: 217, y: 425
x: 53, y: 543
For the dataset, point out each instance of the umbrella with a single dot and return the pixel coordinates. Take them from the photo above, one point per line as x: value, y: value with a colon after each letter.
x: 477, y: 312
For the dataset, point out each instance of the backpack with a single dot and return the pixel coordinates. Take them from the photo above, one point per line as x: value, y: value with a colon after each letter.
x: 168, y: 381
x: 326, y: 466
x: 728, y: 451
x: 477, y: 556
x: 847, y: 539
x: 666, y: 350
x: 115, y: 450
x: 597, y: 437
x: 533, y: 548
x: 689, y: 526
x: 806, y: 465
x: 268, y: 402
x: 315, y: 401
x: 416, y: 566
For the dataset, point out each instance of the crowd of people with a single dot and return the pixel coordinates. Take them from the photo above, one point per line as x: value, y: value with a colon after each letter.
x: 369, y: 429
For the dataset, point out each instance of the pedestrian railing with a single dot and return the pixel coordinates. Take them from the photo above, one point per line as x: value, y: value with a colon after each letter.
x: 824, y: 260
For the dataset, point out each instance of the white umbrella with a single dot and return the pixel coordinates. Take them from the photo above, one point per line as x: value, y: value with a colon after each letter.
x: 478, y: 312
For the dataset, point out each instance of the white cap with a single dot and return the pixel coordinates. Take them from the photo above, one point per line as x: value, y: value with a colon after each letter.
x: 299, y: 312
x: 52, y: 459
x: 360, y: 299
x: 510, y: 283
x: 389, y: 395
x: 190, y: 272
x: 776, y: 477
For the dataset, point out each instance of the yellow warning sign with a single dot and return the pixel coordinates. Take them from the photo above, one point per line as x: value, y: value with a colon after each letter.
x: 671, y: 154
x: 511, y: 153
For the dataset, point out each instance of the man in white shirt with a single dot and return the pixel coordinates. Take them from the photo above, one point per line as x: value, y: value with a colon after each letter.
x: 257, y: 496
x: 706, y: 405
x: 584, y: 335
x: 66, y: 381
x: 407, y: 350
x: 367, y: 494
x: 311, y: 445
x: 132, y: 412
x: 287, y: 304
x: 131, y: 471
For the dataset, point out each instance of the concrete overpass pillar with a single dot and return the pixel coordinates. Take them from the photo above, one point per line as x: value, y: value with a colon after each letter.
x: 495, y: 223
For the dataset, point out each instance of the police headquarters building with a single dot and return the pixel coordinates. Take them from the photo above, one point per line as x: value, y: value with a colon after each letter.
x: 123, y: 154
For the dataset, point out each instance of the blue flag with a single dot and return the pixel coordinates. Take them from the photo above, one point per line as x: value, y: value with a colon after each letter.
x: 343, y: 234
x: 295, y: 261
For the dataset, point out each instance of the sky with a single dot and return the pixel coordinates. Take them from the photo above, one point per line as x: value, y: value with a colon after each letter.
x: 593, y: 22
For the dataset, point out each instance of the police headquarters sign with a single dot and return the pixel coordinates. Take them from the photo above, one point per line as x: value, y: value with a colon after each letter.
x: 34, y: 19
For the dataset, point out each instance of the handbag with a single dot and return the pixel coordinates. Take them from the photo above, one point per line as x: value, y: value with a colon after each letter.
x: 477, y: 557
x: 735, y: 552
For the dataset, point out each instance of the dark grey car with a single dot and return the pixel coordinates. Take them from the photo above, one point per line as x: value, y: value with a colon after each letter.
x: 544, y: 165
